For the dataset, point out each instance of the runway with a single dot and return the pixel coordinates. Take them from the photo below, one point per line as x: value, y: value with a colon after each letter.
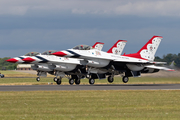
x: 91, y: 87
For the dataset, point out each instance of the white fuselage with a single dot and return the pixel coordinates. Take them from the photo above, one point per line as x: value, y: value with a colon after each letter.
x: 99, y: 59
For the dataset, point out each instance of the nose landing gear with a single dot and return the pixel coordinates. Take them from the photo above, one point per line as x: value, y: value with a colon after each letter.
x: 71, y: 81
x: 110, y: 79
x: 91, y: 81
x: 55, y: 79
x: 38, y: 79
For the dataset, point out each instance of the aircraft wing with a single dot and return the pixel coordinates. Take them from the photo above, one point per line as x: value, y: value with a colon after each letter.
x: 131, y: 60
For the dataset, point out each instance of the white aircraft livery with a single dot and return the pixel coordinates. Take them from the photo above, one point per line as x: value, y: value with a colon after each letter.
x: 83, y: 61
x: 131, y: 65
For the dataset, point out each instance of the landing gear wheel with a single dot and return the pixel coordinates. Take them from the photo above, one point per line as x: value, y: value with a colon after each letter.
x: 38, y: 79
x: 110, y: 79
x: 125, y: 79
x: 1, y: 75
x: 55, y: 79
x: 58, y: 81
x: 77, y: 81
x: 91, y: 81
x: 71, y: 81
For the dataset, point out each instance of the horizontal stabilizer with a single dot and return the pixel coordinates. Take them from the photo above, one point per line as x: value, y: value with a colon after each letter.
x: 159, y: 67
x: 159, y: 63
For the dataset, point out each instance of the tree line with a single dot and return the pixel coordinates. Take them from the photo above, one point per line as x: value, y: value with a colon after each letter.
x: 166, y: 58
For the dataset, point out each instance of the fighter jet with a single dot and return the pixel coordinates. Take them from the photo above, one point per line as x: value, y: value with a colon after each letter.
x: 131, y: 65
x: 42, y: 69
x: 19, y: 59
x: 100, y: 72
x: 60, y: 66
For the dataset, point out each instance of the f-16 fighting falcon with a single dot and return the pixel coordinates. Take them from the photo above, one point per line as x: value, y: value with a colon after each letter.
x: 43, y: 67
x: 130, y: 65
x: 19, y: 59
x: 60, y: 66
x: 95, y: 72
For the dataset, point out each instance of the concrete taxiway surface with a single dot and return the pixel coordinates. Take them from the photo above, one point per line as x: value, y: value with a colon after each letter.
x: 91, y: 87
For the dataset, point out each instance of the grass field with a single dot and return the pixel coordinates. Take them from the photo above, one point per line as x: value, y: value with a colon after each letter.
x: 92, y: 105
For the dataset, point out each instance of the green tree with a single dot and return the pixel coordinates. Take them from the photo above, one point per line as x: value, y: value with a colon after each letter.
x: 169, y: 58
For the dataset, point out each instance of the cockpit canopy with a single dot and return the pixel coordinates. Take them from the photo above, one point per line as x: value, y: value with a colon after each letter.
x: 32, y: 54
x: 49, y: 52
x: 82, y: 47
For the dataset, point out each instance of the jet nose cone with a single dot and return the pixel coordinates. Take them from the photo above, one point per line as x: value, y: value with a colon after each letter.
x: 28, y: 59
x: 59, y: 54
x: 12, y: 60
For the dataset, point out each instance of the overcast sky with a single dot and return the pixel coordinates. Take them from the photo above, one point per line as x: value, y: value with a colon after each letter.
x: 40, y: 25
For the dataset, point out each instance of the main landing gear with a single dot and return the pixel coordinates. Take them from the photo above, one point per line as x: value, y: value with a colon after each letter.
x: 125, y: 79
x: 92, y: 79
x: 58, y: 81
x: 72, y: 80
x: 77, y: 81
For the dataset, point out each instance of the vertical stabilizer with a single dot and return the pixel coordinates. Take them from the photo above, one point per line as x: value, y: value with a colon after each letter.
x: 118, y: 47
x: 98, y: 45
x: 148, y: 51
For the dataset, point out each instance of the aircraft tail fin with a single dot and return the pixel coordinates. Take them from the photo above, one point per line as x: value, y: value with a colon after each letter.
x: 98, y: 45
x: 118, y: 47
x: 148, y: 51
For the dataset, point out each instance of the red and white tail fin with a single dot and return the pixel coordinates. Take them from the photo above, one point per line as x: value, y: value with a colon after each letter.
x: 148, y: 51
x: 98, y: 45
x: 118, y: 47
